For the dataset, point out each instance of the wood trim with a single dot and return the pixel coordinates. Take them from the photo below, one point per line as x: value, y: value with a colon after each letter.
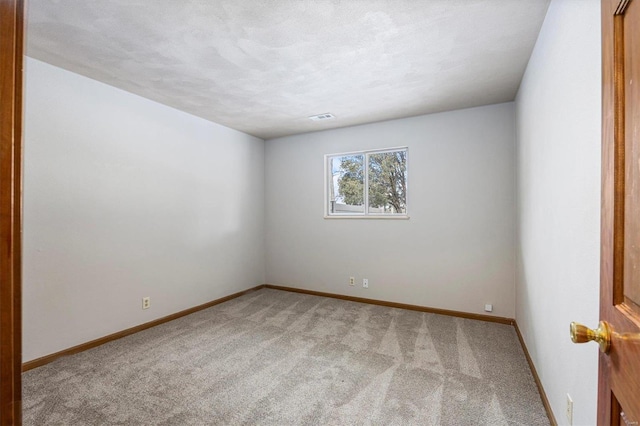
x: 621, y: 7
x: 619, y: 175
x: 115, y: 336
x: 543, y: 395
x: 480, y: 317
x: 11, y: 69
x: 488, y: 318
x: 111, y: 337
x: 102, y: 340
x: 608, y: 190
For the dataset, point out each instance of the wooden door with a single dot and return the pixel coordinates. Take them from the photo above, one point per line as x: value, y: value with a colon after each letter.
x: 619, y: 370
x: 11, y: 60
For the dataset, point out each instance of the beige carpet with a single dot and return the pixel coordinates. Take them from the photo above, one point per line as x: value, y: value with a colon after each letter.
x: 279, y: 358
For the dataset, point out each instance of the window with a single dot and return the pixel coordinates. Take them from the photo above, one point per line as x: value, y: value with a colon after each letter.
x: 367, y: 184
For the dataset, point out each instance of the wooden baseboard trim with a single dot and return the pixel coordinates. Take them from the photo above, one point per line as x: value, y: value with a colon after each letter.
x: 489, y: 318
x: 543, y: 395
x: 101, y: 341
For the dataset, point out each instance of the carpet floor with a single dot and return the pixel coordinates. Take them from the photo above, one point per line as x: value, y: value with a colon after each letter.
x: 272, y: 357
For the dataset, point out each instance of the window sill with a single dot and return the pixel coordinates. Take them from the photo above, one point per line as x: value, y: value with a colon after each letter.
x: 374, y: 217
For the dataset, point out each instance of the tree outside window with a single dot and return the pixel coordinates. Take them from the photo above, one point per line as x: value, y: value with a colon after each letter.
x: 379, y: 189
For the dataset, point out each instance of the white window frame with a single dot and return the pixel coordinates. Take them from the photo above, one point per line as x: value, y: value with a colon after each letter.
x: 366, y: 215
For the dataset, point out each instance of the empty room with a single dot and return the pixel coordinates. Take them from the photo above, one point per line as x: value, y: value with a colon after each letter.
x: 329, y: 212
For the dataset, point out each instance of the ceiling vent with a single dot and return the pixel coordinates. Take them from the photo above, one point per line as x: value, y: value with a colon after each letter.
x: 322, y: 117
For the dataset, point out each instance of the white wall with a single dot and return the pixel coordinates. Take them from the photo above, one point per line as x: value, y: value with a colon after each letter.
x: 558, y: 126
x: 457, y: 251
x: 126, y: 198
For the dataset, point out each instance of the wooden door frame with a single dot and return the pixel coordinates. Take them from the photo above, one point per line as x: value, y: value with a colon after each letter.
x: 12, y: 21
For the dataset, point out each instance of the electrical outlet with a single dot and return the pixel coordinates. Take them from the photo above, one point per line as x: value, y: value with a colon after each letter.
x: 146, y: 302
x: 569, y: 409
x: 488, y: 308
x: 352, y: 280
x: 365, y: 283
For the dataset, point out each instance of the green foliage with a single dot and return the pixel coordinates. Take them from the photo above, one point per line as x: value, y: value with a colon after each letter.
x: 351, y: 182
x: 387, y: 180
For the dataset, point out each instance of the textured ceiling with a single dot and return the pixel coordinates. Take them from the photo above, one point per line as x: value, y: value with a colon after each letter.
x: 264, y: 66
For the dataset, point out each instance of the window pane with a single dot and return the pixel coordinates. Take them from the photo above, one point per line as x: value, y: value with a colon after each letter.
x: 346, y: 188
x: 388, y: 182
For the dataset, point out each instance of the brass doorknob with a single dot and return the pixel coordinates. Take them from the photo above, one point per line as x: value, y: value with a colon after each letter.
x: 582, y: 334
